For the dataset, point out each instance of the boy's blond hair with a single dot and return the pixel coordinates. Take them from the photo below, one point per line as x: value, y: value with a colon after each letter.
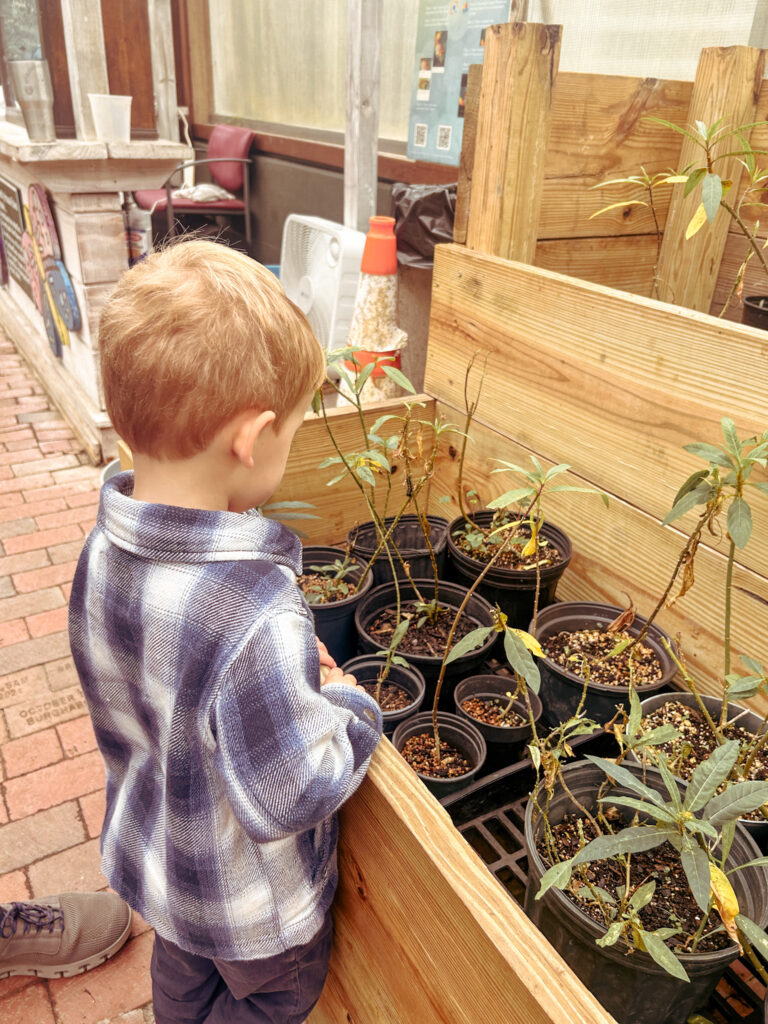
x: 194, y: 335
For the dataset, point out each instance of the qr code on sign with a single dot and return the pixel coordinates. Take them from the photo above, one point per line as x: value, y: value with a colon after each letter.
x: 419, y: 135
x: 444, y: 132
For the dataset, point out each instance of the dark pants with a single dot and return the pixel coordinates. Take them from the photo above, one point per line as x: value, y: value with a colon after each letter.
x: 189, y: 989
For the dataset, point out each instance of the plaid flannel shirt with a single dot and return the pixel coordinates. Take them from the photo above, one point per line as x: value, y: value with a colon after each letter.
x: 225, y: 760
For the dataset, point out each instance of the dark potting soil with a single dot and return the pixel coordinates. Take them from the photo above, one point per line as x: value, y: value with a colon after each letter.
x: 672, y: 906
x: 422, y: 637
x: 419, y: 752
x: 321, y: 589
x: 697, y: 742
x: 391, y: 698
x: 474, y: 544
x: 493, y: 711
x: 571, y: 649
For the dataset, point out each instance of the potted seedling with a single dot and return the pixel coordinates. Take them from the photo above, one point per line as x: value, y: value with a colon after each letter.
x: 648, y: 888
x: 332, y: 583
x: 399, y: 693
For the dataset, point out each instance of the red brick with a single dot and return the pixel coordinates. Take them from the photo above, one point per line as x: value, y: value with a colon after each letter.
x: 54, y: 785
x: 26, y: 841
x: 45, y: 491
x: 13, y: 632
x: 77, y: 736
x: 121, y: 984
x: 43, y: 463
x: 68, y: 552
x: 66, y: 589
x: 23, y: 562
x: 21, y: 483
x: 15, y: 527
x: 93, y: 807
x: 37, y: 651
x: 29, y: 1004
x: 78, y: 869
x: 12, y: 498
x: 78, y: 473
x: 20, y: 434
x: 24, y: 605
x: 38, y: 579
x: 22, y: 685
x: 64, y: 445
x: 31, y: 509
x: 47, y: 622
x: 42, y: 539
x: 31, y: 753
x: 85, y: 514
x: 84, y: 498
x: 61, y: 674
x: 13, y: 886
x: 25, y: 455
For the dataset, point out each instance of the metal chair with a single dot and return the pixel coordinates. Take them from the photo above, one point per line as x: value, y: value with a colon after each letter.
x: 227, y: 156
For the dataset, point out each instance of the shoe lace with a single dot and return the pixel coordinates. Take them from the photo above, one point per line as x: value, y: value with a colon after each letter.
x: 31, y: 915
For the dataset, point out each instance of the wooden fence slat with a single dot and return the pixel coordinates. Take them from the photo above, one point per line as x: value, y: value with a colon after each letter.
x: 624, y: 262
x: 467, y: 160
x: 519, y: 68
x: 424, y: 932
x: 727, y: 86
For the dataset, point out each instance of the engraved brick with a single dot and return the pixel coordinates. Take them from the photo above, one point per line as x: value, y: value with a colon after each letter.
x: 46, y: 710
x: 20, y: 686
x: 42, y: 834
x: 77, y: 736
x: 62, y: 674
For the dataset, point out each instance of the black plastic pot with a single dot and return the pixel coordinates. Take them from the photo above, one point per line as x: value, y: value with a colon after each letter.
x: 755, y: 311
x: 365, y: 668
x: 459, y: 732
x: 512, y: 589
x: 505, y: 745
x: 335, y: 622
x: 561, y: 689
x: 408, y: 538
x: 750, y: 720
x: 452, y: 595
x: 634, y: 989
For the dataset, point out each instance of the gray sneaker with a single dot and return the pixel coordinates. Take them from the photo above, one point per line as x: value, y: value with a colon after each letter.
x: 59, y: 936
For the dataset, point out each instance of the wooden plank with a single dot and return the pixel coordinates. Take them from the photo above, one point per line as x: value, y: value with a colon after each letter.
x: 163, y: 67
x: 86, y: 59
x: 339, y: 507
x: 755, y: 280
x: 624, y: 262
x: 519, y: 68
x: 727, y: 86
x: 412, y: 888
x: 200, y: 60
x: 611, y: 383
x: 622, y: 550
x: 129, y: 63
x: 467, y: 160
x: 361, y: 136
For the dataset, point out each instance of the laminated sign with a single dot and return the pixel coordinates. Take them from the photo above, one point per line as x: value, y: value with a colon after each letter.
x: 450, y: 36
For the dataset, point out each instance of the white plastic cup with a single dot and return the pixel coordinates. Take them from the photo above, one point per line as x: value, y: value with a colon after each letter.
x: 111, y: 117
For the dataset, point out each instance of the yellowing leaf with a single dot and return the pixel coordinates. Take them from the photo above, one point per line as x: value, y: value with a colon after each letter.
x: 532, y: 546
x: 530, y: 642
x: 727, y: 903
x: 675, y: 179
x: 697, y: 221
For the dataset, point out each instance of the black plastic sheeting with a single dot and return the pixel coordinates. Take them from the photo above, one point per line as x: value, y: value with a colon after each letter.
x: 423, y: 219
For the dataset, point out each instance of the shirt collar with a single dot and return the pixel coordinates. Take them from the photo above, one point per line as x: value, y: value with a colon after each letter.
x: 170, y: 533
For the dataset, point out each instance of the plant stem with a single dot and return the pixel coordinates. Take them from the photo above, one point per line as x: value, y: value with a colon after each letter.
x: 746, y: 232
x: 728, y: 606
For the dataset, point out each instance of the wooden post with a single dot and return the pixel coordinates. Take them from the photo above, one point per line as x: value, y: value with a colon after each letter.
x: 519, y: 69
x: 362, y: 131
x: 467, y: 158
x: 200, y: 61
x: 727, y: 86
x: 163, y: 68
x: 86, y: 59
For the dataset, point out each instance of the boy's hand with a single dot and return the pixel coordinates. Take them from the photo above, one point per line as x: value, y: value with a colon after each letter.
x: 325, y: 657
x: 335, y: 675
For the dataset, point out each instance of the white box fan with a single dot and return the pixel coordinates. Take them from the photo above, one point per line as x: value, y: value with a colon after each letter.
x: 320, y: 270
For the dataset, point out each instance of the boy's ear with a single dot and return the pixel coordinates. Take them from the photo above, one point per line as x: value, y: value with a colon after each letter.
x: 247, y: 433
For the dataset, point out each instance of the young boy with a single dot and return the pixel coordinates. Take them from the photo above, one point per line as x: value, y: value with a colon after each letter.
x: 226, y: 761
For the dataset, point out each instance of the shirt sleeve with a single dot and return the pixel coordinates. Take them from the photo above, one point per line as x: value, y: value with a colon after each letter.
x: 289, y: 752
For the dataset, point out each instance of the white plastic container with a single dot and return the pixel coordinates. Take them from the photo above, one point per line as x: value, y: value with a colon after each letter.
x: 111, y: 117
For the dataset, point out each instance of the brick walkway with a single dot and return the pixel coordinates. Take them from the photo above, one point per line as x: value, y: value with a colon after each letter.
x: 51, y: 774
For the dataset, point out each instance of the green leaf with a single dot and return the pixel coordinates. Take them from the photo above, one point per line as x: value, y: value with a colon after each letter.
x: 399, y: 378
x: 692, y: 482
x: 727, y: 835
x: 710, y: 453
x: 675, y: 128
x: 362, y: 378
x: 625, y: 778
x: 744, y: 687
x: 511, y: 497
x: 535, y: 753
x: 698, y: 496
x: 711, y: 194
x: 693, y: 180
x: 663, y: 955
x: 615, y: 206
x: 754, y: 934
x: 400, y: 630
x: 760, y: 486
x: 752, y: 664
x: 635, y: 713
x: 380, y: 422
x: 736, y: 801
x: 739, y: 522
x: 277, y: 506
x: 701, y: 827
x: 758, y: 862
x: 468, y: 643
x: 731, y: 437
x: 612, y: 935
x: 696, y: 867
x: 519, y: 657
x: 332, y: 460
x: 660, y: 813
x: 661, y: 734
x: 339, y: 476
x: 630, y: 840
x: 620, y: 647
x: 561, y: 467
x: 670, y: 782
x: 365, y: 474
x: 710, y: 774
x: 558, y: 875
x: 642, y: 897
